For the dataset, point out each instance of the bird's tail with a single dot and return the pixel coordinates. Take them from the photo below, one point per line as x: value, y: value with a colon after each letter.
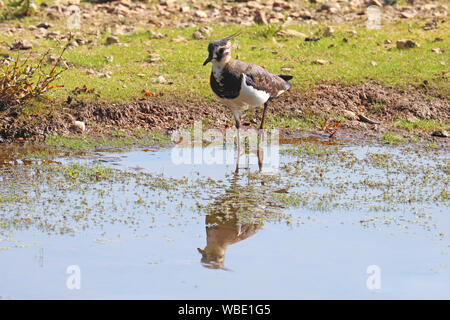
x: 286, y: 78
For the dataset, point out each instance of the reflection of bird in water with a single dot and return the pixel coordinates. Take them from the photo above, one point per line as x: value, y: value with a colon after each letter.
x: 234, y: 216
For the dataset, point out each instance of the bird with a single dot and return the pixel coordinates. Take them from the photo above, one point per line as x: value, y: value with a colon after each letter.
x: 240, y: 85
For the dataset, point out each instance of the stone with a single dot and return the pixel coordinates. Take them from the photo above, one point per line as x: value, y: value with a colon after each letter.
x: 290, y: 33
x: 157, y: 35
x: 350, y: 115
x: 44, y: 25
x: 22, y: 45
x: 167, y: 3
x: 321, y: 62
x: 185, y: 8
x: 79, y: 126
x: 407, y: 15
x: 440, y: 133
x: 329, y: 31
x: 437, y: 50
x: 111, y: 40
x: 154, y: 57
x: 159, y: 79
x: 406, y: 44
x: 260, y: 17
x: 179, y: 39
x: 52, y: 35
x: 200, y: 14
x: 375, y: 3
x: 202, y: 33
x: 198, y: 35
x: 373, y: 63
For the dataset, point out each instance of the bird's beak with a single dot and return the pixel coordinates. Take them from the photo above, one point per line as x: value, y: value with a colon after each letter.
x: 207, y: 60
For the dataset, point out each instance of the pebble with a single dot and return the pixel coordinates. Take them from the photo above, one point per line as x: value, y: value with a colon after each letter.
x: 111, y: 40
x: 406, y: 44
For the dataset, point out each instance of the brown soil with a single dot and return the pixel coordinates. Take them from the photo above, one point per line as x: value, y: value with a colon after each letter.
x: 356, y: 103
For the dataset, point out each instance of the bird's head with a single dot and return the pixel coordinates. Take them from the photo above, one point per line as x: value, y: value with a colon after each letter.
x: 220, y: 50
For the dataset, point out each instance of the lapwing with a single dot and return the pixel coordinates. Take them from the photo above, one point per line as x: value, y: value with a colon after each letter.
x: 240, y: 85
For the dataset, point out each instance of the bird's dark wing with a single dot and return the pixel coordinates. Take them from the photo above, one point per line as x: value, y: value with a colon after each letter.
x: 260, y: 79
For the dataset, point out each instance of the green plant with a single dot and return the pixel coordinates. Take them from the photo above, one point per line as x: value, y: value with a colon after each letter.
x: 19, y: 8
x: 21, y: 81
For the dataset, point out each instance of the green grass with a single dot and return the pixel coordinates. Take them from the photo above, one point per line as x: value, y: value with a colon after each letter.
x: 379, y: 107
x: 118, y: 140
x: 304, y: 121
x: 392, y: 138
x: 182, y: 62
x: 419, y: 124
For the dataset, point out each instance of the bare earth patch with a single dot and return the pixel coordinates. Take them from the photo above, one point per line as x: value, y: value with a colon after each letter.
x: 369, y: 108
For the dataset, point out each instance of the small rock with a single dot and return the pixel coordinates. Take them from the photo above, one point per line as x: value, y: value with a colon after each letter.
x: 179, y: 39
x: 321, y: 62
x: 159, y: 79
x: 157, y: 35
x: 407, y: 15
x: 22, y: 45
x: 154, y: 57
x: 329, y: 31
x: 200, y: 14
x: 375, y: 3
x: 406, y: 44
x: 73, y: 44
x: 55, y: 60
x: 205, y: 30
x: 111, y: 40
x: 202, y: 33
x: 331, y: 7
x: 363, y: 118
x: 167, y: 3
x: 198, y: 35
x: 373, y: 63
x: 260, y: 17
x: 313, y: 39
x: 350, y: 115
x: 44, y: 25
x: 437, y: 50
x: 440, y: 133
x: 290, y: 33
x: 185, y: 8
x: 52, y: 35
x: 79, y: 126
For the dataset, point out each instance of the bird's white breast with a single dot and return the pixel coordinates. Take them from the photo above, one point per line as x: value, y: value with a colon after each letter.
x: 248, y: 97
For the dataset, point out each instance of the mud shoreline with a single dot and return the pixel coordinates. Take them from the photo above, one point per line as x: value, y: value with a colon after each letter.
x: 357, y: 108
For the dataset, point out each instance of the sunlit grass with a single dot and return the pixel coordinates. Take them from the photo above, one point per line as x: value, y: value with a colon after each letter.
x: 419, y: 124
x: 181, y: 64
x: 392, y: 138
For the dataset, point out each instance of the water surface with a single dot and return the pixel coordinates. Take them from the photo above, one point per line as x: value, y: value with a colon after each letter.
x: 140, y: 226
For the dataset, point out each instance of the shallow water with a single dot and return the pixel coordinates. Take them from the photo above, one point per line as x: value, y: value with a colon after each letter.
x: 307, y: 226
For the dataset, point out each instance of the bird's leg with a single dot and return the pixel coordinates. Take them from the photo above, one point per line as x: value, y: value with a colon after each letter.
x: 237, y: 118
x: 260, y: 154
x: 263, y: 116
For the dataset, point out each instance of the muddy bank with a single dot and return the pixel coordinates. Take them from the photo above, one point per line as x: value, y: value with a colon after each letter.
x: 369, y: 108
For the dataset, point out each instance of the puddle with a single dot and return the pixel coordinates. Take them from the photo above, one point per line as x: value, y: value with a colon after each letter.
x: 137, y: 225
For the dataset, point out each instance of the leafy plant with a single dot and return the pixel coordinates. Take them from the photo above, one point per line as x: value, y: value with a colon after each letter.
x: 21, y: 81
x: 19, y: 8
